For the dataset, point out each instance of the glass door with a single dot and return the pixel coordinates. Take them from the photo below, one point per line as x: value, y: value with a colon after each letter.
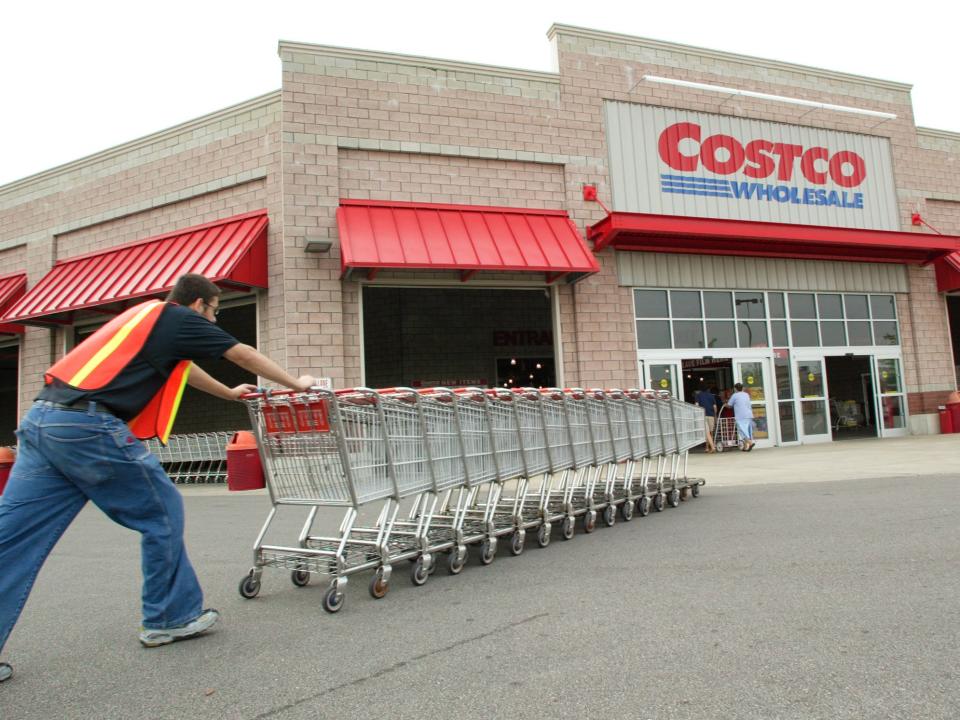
x: 664, y: 375
x: 891, y: 404
x: 754, y: 376
x: 814, y: 417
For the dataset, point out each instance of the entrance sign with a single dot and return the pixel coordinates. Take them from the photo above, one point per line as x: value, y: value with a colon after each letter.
x: 666, y: 161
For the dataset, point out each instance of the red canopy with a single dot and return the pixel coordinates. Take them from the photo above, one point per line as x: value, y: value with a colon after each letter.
x: 467, y: 238
x: 231, y: 252
x: 12, y: 288
x: 713, y: 236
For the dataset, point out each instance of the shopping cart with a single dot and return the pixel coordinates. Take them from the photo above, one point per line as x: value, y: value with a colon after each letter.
x: 193, y: 458
x: 473, y: 465
x: 725, y: 430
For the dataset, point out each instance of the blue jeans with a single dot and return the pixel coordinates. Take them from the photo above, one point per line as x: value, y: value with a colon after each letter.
x: 66, y: 457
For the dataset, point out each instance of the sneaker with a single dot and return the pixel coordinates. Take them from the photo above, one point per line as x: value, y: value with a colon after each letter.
x: 6, y: 671
x: 164, y: 636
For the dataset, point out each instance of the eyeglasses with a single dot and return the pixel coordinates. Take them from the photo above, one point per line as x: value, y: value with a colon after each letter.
x: 215, y: 308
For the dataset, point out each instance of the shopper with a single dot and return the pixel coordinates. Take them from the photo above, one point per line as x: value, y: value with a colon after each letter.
x: 79, y: 441
x: 743, y: 415
x: 708, y: 401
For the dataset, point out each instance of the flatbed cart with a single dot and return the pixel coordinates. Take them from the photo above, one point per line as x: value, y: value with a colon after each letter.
x: 725, y: 430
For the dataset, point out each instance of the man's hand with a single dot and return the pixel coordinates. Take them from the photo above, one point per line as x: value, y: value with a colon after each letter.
x: 239, y: 390
x: 305, y: 382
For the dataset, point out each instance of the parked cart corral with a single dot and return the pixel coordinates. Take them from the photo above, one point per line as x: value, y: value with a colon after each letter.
x: 469, y: 466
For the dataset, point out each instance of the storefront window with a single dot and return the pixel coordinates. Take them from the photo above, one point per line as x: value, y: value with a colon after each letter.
x: 750, y: 305
x: 721, y: 334
x: 856, y: 307
x: 687, y: 334
x: 893, y: 415
x: 717, y: 304
x: 753, y: 333
x: 651, y: 303
x: 831, y: 307
x: 832, y: 334
x: 778, y: 328
x: 859, y: 332
x: 805, y: 333
x: 777, y: 308
x: 715, y: 319
x: 685, y: 304
x: 882, y: 307
x: 885, y: 332
x: 802, y: 305
x: 653, y: 334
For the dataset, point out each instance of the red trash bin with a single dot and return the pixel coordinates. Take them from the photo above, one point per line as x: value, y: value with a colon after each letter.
x: 7, y: 458
x: 954, y: 409
x: 244, y: 471
x: 946, y: 420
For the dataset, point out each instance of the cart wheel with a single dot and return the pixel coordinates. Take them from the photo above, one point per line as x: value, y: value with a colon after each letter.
x: 609, y: 515
x: 626, y: 510
x: 658, y: 502
x: 333, y: 600
x: 378, y: 586
x: 568, y: 528
x: 674, y: 499
x: 455, y: 562
x: 643, y: 505
x: 590, y: 521
x: 543, y: 536
x: 695, y: 490
x: 487, y: 553
x: 418, y: 573
x: 516, y: 543
x: 249, y: 588
x: 719, y: 448
x: 300, y: 578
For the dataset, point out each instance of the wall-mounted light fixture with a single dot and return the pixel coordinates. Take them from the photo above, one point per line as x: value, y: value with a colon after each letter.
x: 766, y: 96
x: 317, y: 245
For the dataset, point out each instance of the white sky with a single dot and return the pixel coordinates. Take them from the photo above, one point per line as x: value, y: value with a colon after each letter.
x: 80, y: 77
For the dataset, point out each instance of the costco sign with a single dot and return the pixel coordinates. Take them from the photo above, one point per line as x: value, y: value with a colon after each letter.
x: 717, y: 166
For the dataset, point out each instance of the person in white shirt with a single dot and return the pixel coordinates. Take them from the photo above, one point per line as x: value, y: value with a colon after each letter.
x: 743, y: 414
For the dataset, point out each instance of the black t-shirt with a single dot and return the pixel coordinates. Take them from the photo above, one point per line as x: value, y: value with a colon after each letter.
x: 180, y: 334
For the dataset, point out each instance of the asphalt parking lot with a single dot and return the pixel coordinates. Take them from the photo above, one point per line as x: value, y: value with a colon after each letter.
x: 792, y: 600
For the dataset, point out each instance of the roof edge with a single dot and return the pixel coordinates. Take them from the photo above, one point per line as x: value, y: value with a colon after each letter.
x: 560, y: 29
x: 215, y: 116
x: 417, y: 61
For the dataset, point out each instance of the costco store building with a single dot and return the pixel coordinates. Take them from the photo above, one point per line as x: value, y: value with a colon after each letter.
x: 650, y: 214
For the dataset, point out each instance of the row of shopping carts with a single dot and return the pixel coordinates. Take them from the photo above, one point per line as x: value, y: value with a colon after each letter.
x: 193, y: 458
x: 470, y: 467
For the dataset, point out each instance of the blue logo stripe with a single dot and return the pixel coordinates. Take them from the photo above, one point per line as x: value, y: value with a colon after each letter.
x: 705, y: 193
x: 688, y: 179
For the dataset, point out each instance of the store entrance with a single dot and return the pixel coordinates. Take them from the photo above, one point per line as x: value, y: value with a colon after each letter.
x: 453, y: 337
x: 850, y: 387
x: 953, y: 312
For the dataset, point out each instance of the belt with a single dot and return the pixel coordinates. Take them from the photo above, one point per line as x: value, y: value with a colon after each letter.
x: 79, y: 406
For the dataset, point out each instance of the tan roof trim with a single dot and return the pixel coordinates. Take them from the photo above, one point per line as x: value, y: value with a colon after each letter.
x: 942, y: 134
x: 557, y: 29
x: 418, y: 61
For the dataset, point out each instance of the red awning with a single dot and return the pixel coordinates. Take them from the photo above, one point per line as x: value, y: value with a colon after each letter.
x: 12, y: 288
x: 712, y: 236
x: 948, y: 273
x: 467, y: 238
x: 230, y: 252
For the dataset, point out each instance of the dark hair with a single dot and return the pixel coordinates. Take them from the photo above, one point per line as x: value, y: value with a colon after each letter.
x: 738, y: 387
x: 190, y: 287
x: 703, y: 387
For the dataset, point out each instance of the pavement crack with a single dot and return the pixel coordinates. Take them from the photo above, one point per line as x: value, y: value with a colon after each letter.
x: 398, y: 665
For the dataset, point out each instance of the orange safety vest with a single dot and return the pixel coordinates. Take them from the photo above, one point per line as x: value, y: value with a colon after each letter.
x: 95, y: 362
